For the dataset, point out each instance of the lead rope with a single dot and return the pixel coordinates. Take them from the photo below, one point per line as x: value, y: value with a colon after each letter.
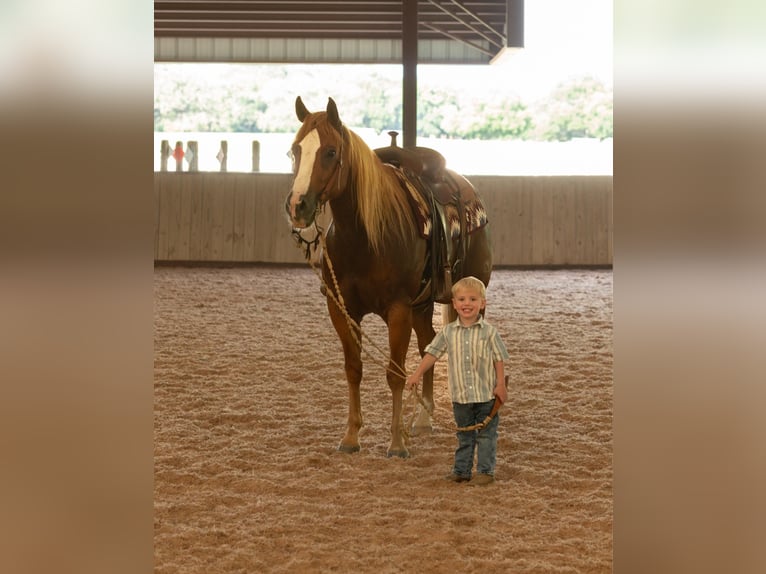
x: 337, y: 298
x: 415, y: 395
x: 335, y: 294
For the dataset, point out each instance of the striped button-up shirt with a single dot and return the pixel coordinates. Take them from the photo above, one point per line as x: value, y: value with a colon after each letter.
x: 472, y: 352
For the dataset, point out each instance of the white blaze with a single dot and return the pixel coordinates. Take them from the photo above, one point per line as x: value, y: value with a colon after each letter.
x: 309, y: 146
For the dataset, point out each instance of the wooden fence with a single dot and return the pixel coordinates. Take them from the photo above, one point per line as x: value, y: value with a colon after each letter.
x: 535, y: 221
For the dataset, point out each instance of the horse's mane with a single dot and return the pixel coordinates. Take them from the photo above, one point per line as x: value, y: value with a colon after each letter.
x: 383, y: 207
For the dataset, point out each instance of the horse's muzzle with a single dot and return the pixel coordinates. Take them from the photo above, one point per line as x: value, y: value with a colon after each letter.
x: 301, y: 210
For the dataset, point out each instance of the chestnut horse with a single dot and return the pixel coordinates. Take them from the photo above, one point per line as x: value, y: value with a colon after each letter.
x: 375, y: 252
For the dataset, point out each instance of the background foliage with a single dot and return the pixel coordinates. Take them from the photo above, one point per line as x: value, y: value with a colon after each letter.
x: 250, y: 98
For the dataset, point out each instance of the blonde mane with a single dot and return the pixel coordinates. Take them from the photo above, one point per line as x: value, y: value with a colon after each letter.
x: 382, y: 205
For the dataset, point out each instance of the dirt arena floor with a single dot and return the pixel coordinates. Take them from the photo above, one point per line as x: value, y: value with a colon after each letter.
x: 251, y: 403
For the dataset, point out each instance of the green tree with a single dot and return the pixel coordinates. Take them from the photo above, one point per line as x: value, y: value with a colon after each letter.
x: 498, y: 118
x: 260, y: 98
x: 381, y: 103
x: 373, y: 100
x: 578, y: 108
x: 438, y: 113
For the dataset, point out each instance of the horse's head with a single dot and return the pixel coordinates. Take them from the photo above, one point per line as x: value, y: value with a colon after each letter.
x: 317, y: 154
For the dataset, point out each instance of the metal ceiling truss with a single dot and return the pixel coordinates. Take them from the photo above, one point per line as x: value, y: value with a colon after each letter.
x: 481, y: 25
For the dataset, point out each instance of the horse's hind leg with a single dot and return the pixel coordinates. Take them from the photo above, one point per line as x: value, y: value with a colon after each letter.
x: 422, y: 321
x: 353, y: 366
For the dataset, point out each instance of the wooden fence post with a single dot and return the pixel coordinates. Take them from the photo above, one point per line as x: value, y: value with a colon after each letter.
x: 178, y: 155
x: 192, y: 156
x: 222, y: 154
x: 164, y: 155
x: 256, y: 155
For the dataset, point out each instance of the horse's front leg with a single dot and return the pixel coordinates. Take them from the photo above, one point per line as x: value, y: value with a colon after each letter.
x: 424, y: 330
x: 399, y: 320
x: 352, y: 358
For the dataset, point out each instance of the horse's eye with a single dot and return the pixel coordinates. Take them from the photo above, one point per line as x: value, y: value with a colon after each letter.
x: 331, y: 153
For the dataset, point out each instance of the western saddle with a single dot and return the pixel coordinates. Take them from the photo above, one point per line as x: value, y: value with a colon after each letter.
x: 427, y: 169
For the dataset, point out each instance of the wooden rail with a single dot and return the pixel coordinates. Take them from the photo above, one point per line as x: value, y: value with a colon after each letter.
x: 536, y: 221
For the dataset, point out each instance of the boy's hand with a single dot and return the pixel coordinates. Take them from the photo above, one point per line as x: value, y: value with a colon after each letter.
x: 412, y: 381
x: 501, y: 392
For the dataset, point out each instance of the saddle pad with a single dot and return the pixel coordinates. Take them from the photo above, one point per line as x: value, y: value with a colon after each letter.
x: 419, y: 198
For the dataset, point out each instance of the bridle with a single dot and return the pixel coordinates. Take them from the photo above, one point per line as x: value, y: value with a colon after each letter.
x: 303, y: 243
x: 338, y: 168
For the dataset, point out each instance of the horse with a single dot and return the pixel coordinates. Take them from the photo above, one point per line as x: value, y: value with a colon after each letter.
x: 373, y: 253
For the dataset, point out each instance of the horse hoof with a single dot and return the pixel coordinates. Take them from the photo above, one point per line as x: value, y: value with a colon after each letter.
x: 403, y: 453
x: 349, y: 448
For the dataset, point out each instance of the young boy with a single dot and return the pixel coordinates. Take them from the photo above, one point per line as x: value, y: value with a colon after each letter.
x: 476, y: 377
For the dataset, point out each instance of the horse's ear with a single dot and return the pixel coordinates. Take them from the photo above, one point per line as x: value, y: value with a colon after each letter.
x: 300, y: 109
x: 332, y: 115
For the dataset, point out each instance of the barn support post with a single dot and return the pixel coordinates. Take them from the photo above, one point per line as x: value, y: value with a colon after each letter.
x: 410, y: 73
x: 514, y: 22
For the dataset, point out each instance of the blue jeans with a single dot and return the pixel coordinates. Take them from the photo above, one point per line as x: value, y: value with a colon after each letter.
x: 484, y: 440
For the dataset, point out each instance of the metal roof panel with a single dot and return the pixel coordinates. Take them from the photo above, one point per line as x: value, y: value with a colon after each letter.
x: 344, y: 31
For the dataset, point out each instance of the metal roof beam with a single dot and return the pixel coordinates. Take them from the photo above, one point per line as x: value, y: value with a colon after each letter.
x: 456, y: 17
x: 462, y: 31
x: 477, y: 18
x: 481, y: 49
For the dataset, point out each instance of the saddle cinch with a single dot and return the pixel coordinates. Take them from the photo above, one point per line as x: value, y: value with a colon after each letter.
x: 426, y: 170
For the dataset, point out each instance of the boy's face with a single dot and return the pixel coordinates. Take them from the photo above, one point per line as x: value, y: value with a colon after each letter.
x: 468, y: 303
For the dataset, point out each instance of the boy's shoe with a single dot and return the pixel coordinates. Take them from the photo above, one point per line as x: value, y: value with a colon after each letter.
x: 483, y: 480
x: 456, y: 478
